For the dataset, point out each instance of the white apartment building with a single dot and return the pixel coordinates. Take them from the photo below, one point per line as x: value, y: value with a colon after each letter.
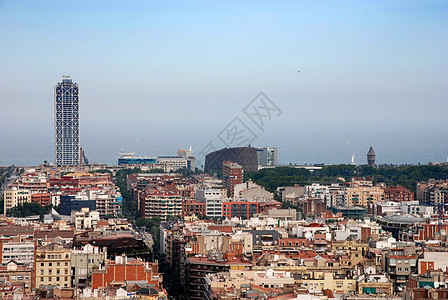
x: 20, y: 252
x: 173, y: 163
x: 84, y: 219
x: 337, y: 194
x: 414, y: 208
x: 267, y: 156
x: 108, y: 201
x: 316, y: 190
x: 213, y: 199
x: 390, y: 207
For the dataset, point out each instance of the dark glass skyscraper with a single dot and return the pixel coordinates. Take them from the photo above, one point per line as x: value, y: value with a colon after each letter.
x: 66, y: 123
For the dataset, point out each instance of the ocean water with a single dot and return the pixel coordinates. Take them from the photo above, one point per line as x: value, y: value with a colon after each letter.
x: 299, y: 149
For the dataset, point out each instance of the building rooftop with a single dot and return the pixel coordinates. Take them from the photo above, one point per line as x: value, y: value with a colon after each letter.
x: 403, y: 219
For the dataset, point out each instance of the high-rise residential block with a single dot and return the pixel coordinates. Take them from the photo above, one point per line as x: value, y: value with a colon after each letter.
x: 232, y: 174
x: 267, y: 156
x: 66, y: 123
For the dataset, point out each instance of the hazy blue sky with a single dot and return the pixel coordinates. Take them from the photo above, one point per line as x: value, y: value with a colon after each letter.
x: 158, y: 76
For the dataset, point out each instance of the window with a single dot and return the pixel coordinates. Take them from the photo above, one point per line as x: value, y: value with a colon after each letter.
x: 50, y: 264
x: 41, y: 272
x: 41, y: 264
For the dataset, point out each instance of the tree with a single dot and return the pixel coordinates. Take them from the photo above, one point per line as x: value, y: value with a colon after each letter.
x: 406, y: 175
x: 28, y: 209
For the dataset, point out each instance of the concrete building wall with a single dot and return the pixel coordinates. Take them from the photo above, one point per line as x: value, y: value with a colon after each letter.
x: 440, y: 259
x: 84, y: 262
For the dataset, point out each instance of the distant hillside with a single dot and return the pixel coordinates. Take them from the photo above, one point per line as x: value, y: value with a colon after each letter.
x: 406, y: 175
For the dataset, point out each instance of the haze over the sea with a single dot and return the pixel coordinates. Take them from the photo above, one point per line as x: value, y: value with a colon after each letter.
x: 156, y: 76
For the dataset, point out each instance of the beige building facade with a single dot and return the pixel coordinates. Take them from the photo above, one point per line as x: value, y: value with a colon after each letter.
x: 363, y: 195
x: 53, y: 264
x: 14, y: 196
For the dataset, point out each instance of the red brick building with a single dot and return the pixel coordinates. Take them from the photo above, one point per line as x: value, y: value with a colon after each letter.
x: 424, y: 267
x: 265, y: 206
x: 313, y: 207
x: 123, y: 269
x: 41, y: 198
x: 426, y: 231
x: 64, y: 181
x: 232, y: 174
x: 397, y: 194
x: 192, y: 207
x: 293, y: 242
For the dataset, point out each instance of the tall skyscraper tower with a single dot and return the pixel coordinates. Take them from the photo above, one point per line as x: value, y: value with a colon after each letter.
x: 66, y: 123
x: 232, y: 174
x: 371, y: 157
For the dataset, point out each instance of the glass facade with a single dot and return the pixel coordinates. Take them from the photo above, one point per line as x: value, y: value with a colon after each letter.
x: 67, y: 139
x: 135, y: 160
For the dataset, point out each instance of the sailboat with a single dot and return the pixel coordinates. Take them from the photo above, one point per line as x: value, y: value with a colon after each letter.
x: 352, y: 162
